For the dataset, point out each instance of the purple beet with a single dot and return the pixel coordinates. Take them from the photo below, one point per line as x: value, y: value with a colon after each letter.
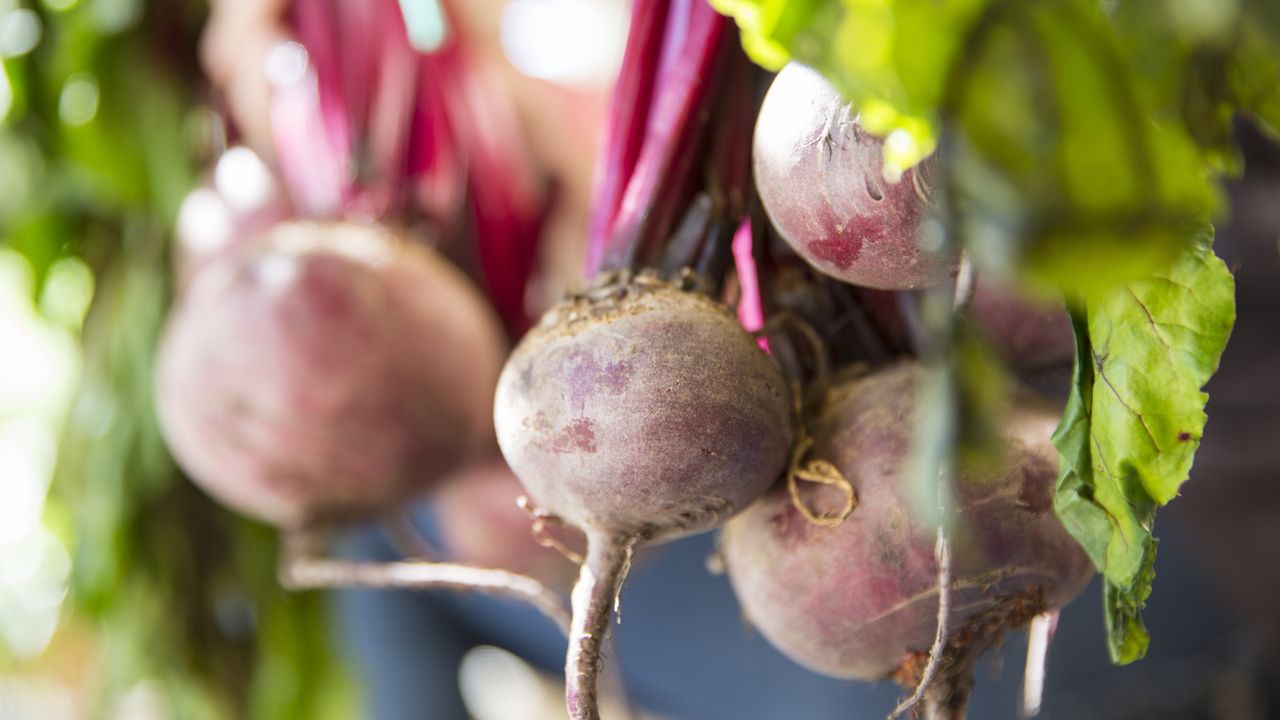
x: 860, y: 599
x: 327, y: 371
x: 636, y: 412
x: 820, y: 178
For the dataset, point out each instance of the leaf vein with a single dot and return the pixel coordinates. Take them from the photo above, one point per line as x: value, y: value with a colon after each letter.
x: 1142, y: 420
x: 1155, y: 328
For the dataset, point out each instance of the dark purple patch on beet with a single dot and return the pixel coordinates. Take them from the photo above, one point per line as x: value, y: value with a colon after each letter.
x: 841, y: 251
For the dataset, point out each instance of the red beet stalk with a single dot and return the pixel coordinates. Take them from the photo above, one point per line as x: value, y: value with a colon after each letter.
x: 685, y: 66
x: 382, y: 128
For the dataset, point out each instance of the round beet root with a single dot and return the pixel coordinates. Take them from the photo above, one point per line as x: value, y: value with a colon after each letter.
x: 642, y: 408
x: 860, y: 599
x: 327, y: 371
x: 634, y: 412
x: 820, y: 178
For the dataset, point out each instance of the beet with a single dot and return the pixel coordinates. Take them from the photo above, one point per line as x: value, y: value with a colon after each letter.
x: 637, y: 411
x: 328, y: 370
x: 820, y: 178
x: 860, y: 599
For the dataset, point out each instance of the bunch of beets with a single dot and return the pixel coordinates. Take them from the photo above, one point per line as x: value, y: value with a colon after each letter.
x: 745, y: 357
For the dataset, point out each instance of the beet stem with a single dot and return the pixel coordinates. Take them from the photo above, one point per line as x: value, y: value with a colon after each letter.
x: 942, y: 552
x: 303, y: 568
x: 625, y: 126
x: 871, y: 343
x: 681, y: 111
x: 594, y: 598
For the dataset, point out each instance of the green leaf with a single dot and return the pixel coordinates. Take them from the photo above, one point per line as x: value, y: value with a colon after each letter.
x: 1127, y: 636
x: 1134, y: 419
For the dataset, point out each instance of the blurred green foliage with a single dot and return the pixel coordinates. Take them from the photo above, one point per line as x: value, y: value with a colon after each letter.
x: 102, y: 133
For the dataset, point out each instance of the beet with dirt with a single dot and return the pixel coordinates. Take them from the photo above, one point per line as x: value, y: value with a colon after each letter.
x: 637, y: 411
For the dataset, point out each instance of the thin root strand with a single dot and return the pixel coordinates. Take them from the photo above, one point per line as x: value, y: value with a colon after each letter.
x: 821, y: 472
x: 302, y: 567
x: 942, y: 552
x: 541, y: 520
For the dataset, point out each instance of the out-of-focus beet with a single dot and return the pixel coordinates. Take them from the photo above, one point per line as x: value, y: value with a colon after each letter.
x: 326, y: 371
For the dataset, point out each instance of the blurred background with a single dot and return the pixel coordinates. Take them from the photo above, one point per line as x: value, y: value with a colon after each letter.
x: 125, y: 592
x: 127, y: 130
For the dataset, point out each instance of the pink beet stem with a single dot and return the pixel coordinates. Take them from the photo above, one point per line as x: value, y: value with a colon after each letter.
x: 750, y: 306
x: 380, y: 124
x: 386, y: 102
x: 506, y: 197
x: 311, y: 171
x: 364, y: 37
x: 315, y: 23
